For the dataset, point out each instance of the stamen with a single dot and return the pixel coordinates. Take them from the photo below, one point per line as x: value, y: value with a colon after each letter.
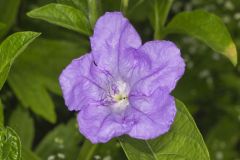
x: 121, y: 97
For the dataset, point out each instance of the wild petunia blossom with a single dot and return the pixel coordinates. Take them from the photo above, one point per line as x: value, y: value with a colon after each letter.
x: 121, y: 86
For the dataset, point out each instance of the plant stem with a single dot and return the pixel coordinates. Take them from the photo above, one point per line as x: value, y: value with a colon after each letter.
x: 124, y: 6
x: 161, y: 11
x: 87, y: 150
x: 94, y: 9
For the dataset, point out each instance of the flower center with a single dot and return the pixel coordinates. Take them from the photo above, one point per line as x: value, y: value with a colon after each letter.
x: 121, y: 97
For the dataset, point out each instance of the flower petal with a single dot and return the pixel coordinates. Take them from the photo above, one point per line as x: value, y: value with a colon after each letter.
x: 78, y: 87
x: 154, y: 114
x: 133, y: 65
x: 167, y: 67
x: 99, y: 124
x: 112, y: 35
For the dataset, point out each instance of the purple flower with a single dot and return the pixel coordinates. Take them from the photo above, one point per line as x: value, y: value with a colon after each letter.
x: 121, y: 86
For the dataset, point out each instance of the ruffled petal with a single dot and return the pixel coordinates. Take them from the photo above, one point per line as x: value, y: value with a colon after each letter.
x: 133, y: 65
x: 154, y: 114
x: 78, y: 86
x: 167, y: 67
x: 99, y: 124
x: 112, y: 35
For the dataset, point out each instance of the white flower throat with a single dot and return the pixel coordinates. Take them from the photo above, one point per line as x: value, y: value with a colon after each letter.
x: 121, y: 97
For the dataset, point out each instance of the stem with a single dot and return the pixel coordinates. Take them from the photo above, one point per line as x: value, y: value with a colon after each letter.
x: 130, y: 10
x: 124, y: 6
x: 161, y: 11
x: 87, y: 150
x: 94, y: 9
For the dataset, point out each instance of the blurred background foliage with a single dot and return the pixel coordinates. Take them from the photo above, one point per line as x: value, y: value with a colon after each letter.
x: 32, y: 100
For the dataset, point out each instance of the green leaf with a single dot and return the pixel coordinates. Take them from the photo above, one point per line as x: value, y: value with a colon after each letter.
x: 27, y: 154
x: 11, y: 48
x: 62, y: 141
x: 30, y: 92
x: 1, y: 114
x: 10, y: 10
x: 207, y: 28
x: 91, y: 8
x: 63, y: 15
x: 10, y: 145
x: 87, y: 150
x: 37, y: 71
x: 79, y: 4
x: 183, y: 141
x: 23, y: 124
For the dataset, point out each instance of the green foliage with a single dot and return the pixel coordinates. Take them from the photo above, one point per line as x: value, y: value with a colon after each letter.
x: 1, y: 114
x: 87, y: 150
x: 111, y: 149
x: 138, y: 10
x: 159, y: 16
x: 31, y: 83
x: 78, y: 4
x: 9, y: 10
x: 91, y: 8
x: 29, y: 155
x: 183, y: 141
x: 124, y: 5
x: 63, y: 15
x: 2, y: 27
x: 94, y: 10
x: 222, y: 139
x: 10, y: 145
x: 23, y: 124
x: 11, y: 48
x: 206, y: 27
x: 62, y: 141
